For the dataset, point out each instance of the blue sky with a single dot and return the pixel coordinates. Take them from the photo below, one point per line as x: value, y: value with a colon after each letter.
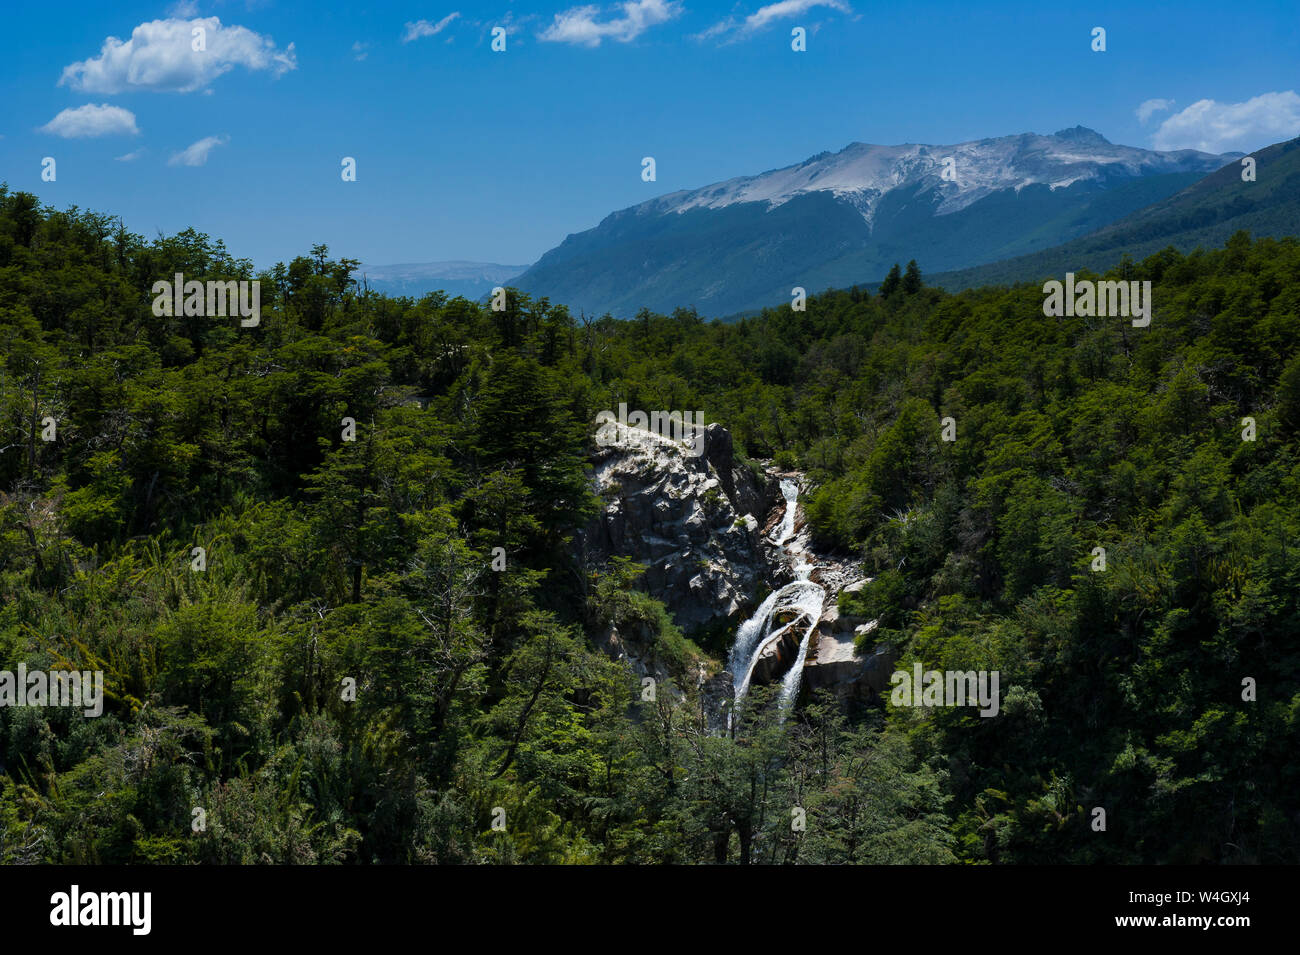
x: 466, y: 153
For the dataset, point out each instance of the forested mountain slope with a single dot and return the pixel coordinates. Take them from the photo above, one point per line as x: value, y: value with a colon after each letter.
x: 1263, y: 200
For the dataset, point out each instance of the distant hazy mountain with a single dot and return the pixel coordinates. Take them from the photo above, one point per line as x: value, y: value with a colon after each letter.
x: 844, y: 218
x: 470, y: 279
x: 1205, y: 214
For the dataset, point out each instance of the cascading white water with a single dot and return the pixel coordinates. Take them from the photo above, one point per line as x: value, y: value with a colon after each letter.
x: 793, y: 677
x: 753, y: 631
x: 802, y: 569
x: 789, y: 491
x: 802, y: 597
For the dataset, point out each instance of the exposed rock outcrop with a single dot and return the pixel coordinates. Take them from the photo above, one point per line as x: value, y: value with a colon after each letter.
x: 776, y: 657
x: 693, y: 521
x: 708, y: 534
x: 834, y: 662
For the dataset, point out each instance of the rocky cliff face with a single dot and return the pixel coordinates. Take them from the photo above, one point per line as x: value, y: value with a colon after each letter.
x: 693, y: 521
x: 706, y: 530
x: 833, y: 662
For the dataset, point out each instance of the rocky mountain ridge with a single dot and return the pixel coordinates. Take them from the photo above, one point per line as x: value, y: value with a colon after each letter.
x: 840, y: 219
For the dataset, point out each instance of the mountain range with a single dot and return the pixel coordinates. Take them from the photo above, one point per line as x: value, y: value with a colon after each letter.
x: 473, y: 280
x: 1017, y: 208
x: 1203, y: 215
x: 844, y: 218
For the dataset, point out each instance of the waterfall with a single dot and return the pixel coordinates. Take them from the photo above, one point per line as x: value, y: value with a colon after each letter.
x: 801, y: 597
x: 790, y: 682
x: 802, y: 569
x: 789, y: 491
x: 748, y: 637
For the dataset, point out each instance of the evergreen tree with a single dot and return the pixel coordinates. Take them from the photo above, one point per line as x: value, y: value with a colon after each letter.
x: 891, y: 283
x: 912, y: 279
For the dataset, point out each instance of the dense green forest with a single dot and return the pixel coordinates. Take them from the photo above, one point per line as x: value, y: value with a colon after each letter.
x: 348, y: 679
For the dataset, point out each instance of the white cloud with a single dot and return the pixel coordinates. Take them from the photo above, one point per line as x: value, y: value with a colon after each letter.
x: 1151, y: 106
x: 91, y: 120
x: 159, y: 57
x: 131, y: 156
x: 196, y: 154
x: 1224, y: 127
x: 360, y: 50
x: 422, y: 28
x: 579, y: 25
x: 721, y: 28
x: 766, y: 16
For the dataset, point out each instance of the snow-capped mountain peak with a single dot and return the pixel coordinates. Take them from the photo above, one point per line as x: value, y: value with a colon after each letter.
x: 861, y: 174
x: 847, y: 217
